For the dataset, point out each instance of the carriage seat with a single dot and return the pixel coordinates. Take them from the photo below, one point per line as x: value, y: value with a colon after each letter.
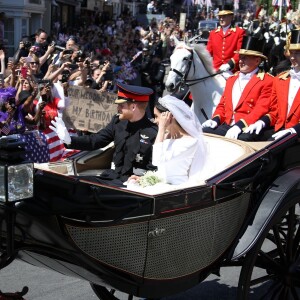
x: 222, y: 153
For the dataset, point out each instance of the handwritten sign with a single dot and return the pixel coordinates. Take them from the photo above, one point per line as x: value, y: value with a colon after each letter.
x: 89, y: 109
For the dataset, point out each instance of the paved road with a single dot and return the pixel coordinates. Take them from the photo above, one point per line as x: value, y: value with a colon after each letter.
x: 45, y: 285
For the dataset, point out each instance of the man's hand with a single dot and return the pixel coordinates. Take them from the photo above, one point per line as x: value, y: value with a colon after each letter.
x: 281, y: 133
x: 210, y: 124
x: 60, y: 128
x: 233, y: 132
x: 224, y: 68
x: 257, y: 127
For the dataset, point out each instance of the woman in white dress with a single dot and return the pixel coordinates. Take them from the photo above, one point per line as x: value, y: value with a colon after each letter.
x: 179, y: 150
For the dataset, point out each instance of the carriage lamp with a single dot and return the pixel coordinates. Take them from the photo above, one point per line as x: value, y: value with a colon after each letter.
x: 16, y: 181
x: 16, y: 174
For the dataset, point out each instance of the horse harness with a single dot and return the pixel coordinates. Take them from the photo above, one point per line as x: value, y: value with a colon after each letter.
x: 191, y: 82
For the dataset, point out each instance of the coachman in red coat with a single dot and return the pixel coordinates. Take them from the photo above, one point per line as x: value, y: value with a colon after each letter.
x: 284, y: 111
x: 246, y: 97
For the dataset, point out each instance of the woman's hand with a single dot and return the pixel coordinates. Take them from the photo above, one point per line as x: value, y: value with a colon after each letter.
x: 165, y: 120
x: 133, y: 179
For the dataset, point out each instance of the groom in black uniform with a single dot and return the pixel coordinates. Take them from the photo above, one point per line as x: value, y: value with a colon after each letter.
x: 131, y: 131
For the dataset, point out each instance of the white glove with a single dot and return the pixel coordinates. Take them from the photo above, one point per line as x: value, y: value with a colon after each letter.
x: 281, y: 133
x: 277, y: 40
x: 60, y: 128
x: 224, y: 68
x: 210, y: 124
x: 267, y: 35
x: 257, y: 127
x: 233, y: 132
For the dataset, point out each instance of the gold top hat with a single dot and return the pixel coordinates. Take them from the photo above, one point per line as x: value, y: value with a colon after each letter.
x: 225, y: 13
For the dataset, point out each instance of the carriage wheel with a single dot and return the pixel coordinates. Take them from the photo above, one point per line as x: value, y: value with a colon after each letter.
x: 272, y: 268
x: 104, y: 293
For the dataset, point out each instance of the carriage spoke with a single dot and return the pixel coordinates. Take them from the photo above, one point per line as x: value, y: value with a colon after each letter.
x: 284, y: 293
x: 296, y: 242
x: 265, y: 261
x: 277, y: 290
x: 294, y: 293
x: 278, y: 243
x: 290, y: 233
x: 260, y: 280
x: 276, y: 259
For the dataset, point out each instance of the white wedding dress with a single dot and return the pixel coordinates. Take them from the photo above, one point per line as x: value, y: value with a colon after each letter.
x: 173, y: 158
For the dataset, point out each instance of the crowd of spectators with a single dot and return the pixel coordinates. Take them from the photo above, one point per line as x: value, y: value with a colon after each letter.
x: 34, y: 82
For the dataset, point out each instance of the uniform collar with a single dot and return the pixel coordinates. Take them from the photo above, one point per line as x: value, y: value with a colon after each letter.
x: 228, y: 30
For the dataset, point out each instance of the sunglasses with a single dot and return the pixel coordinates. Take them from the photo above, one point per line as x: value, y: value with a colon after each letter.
x: 34, y: 63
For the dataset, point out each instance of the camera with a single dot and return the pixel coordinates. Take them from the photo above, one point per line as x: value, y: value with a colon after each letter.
x: 57, y: 47
x: 44, y: 98
x: 73, y: 66
x: 12, y: 102
x: 108, y: 75
x: 89, y: 81
x: 65, y: 76
x: 68, y: 51
x: 44, y: 82
x: 27, y: 45
x: 80, y: 56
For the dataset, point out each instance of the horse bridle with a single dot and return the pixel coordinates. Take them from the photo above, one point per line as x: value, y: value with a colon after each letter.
x: 191, y: 82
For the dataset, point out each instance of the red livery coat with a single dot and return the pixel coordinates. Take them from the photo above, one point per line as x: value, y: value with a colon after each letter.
x: 279, y: 104
x: 222, y: 47
x: 253, y: 103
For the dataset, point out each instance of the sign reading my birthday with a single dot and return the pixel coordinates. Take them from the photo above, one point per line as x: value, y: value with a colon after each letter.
x: 89, y: 109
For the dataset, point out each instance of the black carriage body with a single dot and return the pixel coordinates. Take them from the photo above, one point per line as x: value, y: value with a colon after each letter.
x: 145, y: 245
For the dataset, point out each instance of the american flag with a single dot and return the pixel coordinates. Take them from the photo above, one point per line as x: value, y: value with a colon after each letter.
x: 43, y: 147
x: 57, y: 149
x: 281, y: 3
x: 36, y: 146
x: 56, y: 146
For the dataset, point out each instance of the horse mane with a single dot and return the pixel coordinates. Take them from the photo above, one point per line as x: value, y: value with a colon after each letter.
x: 205, y: 57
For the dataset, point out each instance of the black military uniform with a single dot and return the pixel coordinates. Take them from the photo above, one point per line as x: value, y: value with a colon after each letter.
x: 133, y: 140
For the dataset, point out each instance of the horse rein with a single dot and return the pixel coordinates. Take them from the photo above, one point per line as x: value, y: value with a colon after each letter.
x: 191, y: 82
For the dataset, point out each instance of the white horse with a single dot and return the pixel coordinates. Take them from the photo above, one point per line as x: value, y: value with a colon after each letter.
x: 193, y: 66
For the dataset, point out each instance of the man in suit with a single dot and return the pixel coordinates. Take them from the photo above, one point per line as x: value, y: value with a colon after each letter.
x: 246, y: 97
x: 131, y: 131
x: 284, y: 111
x: 224, y: 41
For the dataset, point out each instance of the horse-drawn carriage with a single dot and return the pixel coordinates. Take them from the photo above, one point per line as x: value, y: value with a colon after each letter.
x: 160, y: 241
x: 166, y: 241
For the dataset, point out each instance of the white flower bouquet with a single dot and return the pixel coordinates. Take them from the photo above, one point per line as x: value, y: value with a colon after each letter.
x: 149, y: 178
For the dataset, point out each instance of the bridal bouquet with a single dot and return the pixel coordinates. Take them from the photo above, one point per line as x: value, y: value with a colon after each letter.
x: 149, y: 178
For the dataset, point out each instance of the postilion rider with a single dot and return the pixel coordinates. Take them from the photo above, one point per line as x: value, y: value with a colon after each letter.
x: 223, y: 43
x: 131, y: 131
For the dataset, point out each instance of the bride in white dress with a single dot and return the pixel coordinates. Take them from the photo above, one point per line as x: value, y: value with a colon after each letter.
x: 179, y: 151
